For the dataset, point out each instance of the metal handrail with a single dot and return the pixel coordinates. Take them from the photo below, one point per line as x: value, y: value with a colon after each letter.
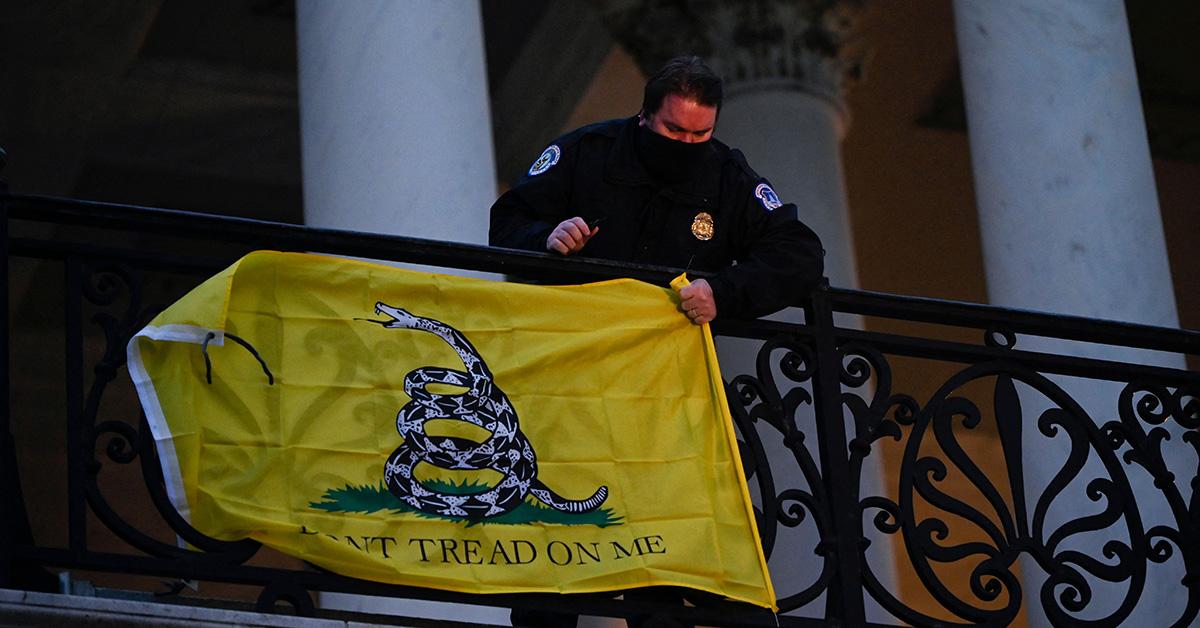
x: 483, y: 258
x: 838, y: 371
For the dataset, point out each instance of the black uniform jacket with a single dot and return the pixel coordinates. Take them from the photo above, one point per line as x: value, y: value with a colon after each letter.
x: 765, y: 258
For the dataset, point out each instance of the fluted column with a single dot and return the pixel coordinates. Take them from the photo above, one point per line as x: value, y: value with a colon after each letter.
x: 394, y: 121
x: 1070, y: 223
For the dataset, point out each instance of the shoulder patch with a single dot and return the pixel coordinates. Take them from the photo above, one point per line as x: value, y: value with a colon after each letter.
x: 546, y: 161
x: 767, y: 197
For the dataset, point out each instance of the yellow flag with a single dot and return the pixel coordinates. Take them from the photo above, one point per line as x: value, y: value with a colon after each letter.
x: 453, y: 433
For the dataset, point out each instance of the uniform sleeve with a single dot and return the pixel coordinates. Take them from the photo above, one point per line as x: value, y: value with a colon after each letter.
x: 779, y: 259
x: 524, y: 216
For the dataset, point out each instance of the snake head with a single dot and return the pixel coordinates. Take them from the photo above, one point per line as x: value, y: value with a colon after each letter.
x: 401, y: 319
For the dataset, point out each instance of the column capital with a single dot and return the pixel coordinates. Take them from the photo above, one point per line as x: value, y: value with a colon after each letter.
x: 803, y: 45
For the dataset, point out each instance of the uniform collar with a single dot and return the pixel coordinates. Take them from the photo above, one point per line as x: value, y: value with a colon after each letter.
x: 624, y: 167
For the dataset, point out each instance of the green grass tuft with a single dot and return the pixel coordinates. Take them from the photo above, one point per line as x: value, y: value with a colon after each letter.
x: 368, y: 499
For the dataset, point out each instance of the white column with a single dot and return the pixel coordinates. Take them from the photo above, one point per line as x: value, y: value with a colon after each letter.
x: 397, y: 139
x: 394, y: 118
x: 1070, y: 223
x: 791, y: 132
x: 1062, y: 164
x: 793, y: 138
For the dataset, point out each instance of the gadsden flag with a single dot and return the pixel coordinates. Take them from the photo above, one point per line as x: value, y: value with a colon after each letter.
x: 461, y: 434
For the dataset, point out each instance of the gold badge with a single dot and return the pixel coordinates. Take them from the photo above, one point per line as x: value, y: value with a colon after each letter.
x: 702, y: 226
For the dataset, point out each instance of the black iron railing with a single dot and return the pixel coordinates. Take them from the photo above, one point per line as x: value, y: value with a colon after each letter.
x: 892, y: 470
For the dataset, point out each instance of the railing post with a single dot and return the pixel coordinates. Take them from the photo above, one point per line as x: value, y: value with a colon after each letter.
x: 844, y: 599
x: 8, y: 452
x: 73, y: 324
x: 14, y: 519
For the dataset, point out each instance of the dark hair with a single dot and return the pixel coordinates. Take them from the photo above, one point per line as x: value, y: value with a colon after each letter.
x: 688, y: 76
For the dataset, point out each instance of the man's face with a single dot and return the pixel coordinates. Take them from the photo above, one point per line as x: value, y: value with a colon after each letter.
x: 682, y: 120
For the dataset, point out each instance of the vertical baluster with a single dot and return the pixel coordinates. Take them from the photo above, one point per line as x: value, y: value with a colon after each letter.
x: 73, y: 328
x: 8, y: 453
x: 844, y: 600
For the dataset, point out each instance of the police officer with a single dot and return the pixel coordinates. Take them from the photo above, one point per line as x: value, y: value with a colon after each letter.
x: 658, y: 189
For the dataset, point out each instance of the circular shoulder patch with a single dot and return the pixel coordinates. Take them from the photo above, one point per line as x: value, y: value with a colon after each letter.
x: 548, y: 158
x: 767, y: 197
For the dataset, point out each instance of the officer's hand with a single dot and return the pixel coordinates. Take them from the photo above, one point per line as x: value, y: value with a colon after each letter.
x: 696, y: 300
x: 570, y: 235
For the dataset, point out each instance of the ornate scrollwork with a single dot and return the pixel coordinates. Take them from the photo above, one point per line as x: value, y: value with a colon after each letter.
x: 882, y: 414
x: 760, y: 398
x: 1000, y: 337
x: 1142, y: 404
x: 1002, y: 525
x: 124, y: 446
x: 117, y: 287
x: 877, y: 414
x: 1077, y: 528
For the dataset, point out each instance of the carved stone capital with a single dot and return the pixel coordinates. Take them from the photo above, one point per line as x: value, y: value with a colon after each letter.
x: 805, y: 45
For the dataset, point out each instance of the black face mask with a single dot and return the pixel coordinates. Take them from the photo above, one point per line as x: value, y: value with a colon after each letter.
x: 668, y: 160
